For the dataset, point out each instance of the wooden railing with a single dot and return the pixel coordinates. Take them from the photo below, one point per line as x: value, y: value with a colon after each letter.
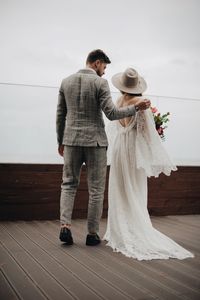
x: 32, y: 191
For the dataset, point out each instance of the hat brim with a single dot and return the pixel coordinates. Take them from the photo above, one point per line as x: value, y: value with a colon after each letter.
x: 139, y: 89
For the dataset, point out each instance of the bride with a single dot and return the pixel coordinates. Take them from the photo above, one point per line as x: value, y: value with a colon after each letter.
x: 136, y: 152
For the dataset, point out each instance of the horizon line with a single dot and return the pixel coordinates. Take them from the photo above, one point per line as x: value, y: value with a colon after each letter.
x: 57, y: 87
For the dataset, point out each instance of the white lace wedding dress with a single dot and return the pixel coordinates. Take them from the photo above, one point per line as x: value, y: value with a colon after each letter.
x: 136, y: 152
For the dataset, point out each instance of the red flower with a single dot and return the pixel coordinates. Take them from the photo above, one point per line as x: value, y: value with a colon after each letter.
x: 160, y: 130
x: 154, y: 109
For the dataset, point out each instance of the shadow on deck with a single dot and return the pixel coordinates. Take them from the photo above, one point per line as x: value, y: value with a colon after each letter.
x: 35, y: 265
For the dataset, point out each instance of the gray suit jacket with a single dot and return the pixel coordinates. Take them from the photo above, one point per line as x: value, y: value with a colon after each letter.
x: 82, y: 98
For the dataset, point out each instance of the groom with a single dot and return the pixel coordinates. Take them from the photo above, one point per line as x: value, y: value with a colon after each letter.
x: 82, y: 139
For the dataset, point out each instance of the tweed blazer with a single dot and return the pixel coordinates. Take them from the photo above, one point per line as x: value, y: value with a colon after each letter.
x: 82, y: 98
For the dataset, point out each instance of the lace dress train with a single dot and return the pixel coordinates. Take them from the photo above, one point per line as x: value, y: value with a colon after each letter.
x: 135, y: 153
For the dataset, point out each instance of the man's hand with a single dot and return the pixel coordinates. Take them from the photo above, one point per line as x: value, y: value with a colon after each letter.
x: 143, y: 104
x: 61, y: 149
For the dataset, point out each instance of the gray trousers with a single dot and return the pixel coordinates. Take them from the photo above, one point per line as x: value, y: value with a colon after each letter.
x: 95, y: 159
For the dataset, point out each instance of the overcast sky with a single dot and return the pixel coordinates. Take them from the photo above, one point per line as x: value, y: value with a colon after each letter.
x: 43, y: 41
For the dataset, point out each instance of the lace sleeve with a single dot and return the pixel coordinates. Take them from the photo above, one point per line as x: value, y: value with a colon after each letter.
x: 150, y: 152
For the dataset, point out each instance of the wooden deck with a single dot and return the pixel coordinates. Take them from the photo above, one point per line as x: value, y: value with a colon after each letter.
x: 35, y: 265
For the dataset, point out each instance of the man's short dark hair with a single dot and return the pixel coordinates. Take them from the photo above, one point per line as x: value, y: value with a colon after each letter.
x: 98, y: 54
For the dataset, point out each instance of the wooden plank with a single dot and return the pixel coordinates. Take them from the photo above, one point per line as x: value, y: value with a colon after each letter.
x: 21, y: 285
x: 52, y: 266
x: 186, y: 239
x: 46, y: 283
x: 79, y: 253
x: 6, y: 290
x: 192, y: 279
x: 98, y: 270
x: 56, y: 267
x: 143, y: 282
x: 191, y: 221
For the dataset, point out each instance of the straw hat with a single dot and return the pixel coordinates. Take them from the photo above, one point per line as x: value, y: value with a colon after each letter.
x: 129, y: 81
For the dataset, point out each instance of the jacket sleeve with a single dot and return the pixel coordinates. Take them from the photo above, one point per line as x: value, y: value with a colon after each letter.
x: 61, y: 116
x: 108, y: 107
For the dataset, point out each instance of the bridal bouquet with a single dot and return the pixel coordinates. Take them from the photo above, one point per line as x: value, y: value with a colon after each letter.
x: 159, y: 121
